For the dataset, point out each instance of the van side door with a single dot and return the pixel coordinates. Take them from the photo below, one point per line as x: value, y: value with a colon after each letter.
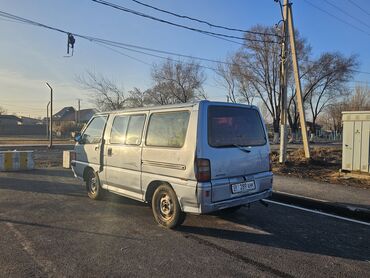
x: 88, y: 149
x: 123, y: 155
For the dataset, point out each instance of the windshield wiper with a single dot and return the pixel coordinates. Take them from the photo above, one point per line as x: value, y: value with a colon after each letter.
x: 241, y: 148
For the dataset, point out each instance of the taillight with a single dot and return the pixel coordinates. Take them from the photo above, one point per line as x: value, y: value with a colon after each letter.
x: 270, y: 162
x: 203, y: 169
x: 72, y: 155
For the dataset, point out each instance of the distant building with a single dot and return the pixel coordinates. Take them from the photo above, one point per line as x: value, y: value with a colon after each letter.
x: 10, y: 120
x: 30, y: 121
x: 69, y: 119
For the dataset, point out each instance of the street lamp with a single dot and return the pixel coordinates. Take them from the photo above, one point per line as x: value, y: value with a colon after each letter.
x: 51, y: 116
x: 47, y: 120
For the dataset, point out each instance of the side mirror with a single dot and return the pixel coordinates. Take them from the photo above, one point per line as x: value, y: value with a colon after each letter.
x: 78, y: 137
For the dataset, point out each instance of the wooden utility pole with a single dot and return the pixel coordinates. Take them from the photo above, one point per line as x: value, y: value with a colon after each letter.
x: 302, y: 117
x: 283, y: 86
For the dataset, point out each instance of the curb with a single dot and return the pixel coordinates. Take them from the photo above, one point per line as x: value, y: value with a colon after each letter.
x: 358, y: 213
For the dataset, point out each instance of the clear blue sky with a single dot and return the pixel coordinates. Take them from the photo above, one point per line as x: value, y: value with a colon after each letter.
x: 29, y: 55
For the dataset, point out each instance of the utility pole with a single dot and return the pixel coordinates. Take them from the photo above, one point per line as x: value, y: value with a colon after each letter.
x: 47, y: 120
x: 283, y: 86
x: 302, y: 117
x: 51, y: 116
x: 78, y: 111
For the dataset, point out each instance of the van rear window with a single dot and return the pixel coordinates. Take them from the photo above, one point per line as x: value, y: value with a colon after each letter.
x: 234, y: 126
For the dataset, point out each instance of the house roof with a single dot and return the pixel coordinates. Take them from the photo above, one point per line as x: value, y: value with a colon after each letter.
x: 10, y: 117
x: 70, y: 114
x: 64, y: 111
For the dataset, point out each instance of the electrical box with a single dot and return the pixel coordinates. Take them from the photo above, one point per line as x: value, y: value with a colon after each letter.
x: 68, y: 156
x: 356, y: 141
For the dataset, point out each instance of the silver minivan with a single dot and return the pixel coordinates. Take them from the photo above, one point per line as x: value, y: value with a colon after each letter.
x: 186, y: 158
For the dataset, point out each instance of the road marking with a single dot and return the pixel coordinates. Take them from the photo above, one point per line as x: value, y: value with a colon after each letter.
x: 318, y: 212
x: 46, y: 265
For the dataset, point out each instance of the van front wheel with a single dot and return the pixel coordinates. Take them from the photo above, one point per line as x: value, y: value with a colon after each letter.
x: 94, y: 190
x: 166, y: 208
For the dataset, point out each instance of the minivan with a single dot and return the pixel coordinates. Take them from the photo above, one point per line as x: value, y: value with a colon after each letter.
x: 184, y: 158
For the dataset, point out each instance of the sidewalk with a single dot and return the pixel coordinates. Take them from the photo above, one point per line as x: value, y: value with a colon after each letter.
x: 332, y: 195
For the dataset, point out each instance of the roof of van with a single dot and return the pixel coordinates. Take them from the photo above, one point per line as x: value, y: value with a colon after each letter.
x: 170, y: 106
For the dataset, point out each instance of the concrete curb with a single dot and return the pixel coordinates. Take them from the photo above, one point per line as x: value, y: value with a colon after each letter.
x: 354, y: 212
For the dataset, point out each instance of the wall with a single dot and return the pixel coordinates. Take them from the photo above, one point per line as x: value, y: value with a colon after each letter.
x: 8, y: 130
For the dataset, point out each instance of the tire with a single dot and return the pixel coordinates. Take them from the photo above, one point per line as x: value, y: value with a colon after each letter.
x: 93, y: 188
x: 166, y: 208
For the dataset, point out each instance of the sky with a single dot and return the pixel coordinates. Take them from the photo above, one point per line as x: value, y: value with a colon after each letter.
x: 31, y: 56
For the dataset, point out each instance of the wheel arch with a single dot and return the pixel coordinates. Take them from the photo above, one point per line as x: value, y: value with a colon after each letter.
x: 153, y: 185
x: 86, y: 170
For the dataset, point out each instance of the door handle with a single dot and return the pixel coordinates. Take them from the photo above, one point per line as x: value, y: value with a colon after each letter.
x: 110, y: 152
x: 97, y: 147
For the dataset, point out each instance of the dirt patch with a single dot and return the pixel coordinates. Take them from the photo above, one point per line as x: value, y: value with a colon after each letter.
x: 45, y: 158
x: 324, y: 166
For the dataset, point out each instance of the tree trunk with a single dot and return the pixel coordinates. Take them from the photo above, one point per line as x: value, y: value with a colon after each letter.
x: 276, y: 131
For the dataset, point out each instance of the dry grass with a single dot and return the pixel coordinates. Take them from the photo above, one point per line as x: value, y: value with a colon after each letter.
x: 324, y: 166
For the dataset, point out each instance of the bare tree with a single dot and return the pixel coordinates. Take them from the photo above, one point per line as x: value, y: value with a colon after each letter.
x: 227, y: 78
x: 257, y: 65
x: 177, y: 82
x: 360, y: 99
x: 327, y: 81
x: 138, y: 98
x: 2, y: 110
x: 107, y: 94
x: 354, y: 101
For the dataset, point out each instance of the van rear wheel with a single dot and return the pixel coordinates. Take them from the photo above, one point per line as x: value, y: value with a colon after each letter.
x: 166, y: 208
x: 94, y: 190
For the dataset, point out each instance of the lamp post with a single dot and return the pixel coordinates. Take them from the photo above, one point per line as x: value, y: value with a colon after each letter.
x: 51, y: 116
x: 47, y: 120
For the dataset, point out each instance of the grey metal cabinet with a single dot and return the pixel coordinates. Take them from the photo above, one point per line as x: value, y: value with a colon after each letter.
x: 356, y: 141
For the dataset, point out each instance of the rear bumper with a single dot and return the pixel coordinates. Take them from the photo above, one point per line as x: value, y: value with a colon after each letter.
x: 244, y: 200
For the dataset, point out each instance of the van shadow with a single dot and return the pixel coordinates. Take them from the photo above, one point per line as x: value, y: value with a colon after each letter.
x: 290, y: 232
x: 41, y: 186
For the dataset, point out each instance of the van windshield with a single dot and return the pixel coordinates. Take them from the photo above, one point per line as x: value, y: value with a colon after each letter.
x: 234, y: 127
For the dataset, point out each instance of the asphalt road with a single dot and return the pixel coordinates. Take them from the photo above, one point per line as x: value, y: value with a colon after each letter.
x: 49, y: 227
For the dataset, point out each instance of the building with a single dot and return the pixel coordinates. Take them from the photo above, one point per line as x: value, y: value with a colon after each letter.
x: 30, y: 121
x: 10, y: 120
x: 68, y: 120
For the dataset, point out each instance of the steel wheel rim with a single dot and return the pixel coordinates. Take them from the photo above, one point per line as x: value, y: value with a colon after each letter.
x: 92, y: 185
x: 166, y: 206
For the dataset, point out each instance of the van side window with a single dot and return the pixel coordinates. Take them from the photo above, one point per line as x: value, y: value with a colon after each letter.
x: 93, y: 133
x: 135, y: 129
x: 167, y: 129
x: 119, y: 128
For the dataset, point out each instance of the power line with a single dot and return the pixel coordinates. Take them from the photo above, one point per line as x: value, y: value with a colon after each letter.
x: 347, y: 13
x: 121, y: 8
x: 152, y: 55
x: 336, y: 17
x: 107, y: 42
x: 104, y: 41
x: 364, y: 72
x: 359, y: 7
x: 203, y: 21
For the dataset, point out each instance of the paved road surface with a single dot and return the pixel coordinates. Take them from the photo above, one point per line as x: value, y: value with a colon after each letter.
x: 49, y: 227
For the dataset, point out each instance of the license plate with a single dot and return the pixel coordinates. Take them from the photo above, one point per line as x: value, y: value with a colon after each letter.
x: 243, y: 187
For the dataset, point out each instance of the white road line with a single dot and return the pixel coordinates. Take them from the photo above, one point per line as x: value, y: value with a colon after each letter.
x: 318, y: 212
